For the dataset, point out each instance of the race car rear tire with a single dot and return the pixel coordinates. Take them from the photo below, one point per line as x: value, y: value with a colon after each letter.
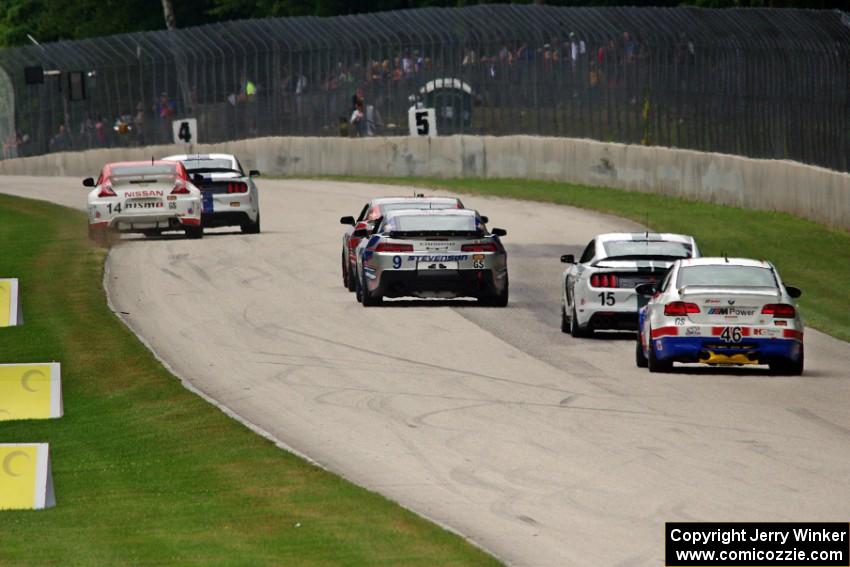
x: 656, y: 365
x: 786, y: 367
x: 251, y: 227
x: 499, y: 299
x: 640, y: 358
x: 565, y: 321
x: 367, y: 299
x: 352, y: 282
x: 358, y: 290
x: 194, y: 232
x: 576, y: 330
x: 346, y: 281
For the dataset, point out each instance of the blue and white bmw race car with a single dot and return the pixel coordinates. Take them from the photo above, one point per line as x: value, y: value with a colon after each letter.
x: 598, y: 291
x: 721, y: 311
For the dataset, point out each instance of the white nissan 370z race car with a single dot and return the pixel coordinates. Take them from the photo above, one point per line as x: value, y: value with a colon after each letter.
x: 598, y: 291
x: 145, y: 196
x: 721, y: 311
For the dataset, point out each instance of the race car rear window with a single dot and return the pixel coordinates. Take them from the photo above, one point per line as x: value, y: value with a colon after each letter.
x: 419, y: 205
x: 747, y: 276
x: 647, y: 248
x: 138, y: 171
x: 433, y: 223
x: 208, y: 164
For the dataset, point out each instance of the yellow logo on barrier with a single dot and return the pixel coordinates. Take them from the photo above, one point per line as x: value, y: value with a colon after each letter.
x: 30, y: 391
x: 26, y: 481
x: 10, y: 312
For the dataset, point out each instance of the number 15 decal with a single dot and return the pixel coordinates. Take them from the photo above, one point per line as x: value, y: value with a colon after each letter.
x: 607, y: 298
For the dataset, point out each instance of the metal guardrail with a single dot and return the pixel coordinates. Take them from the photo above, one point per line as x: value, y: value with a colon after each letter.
x: 756, y: 82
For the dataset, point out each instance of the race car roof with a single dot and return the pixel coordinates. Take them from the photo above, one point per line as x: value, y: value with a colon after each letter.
x: 393, y: 200
x: 722, y: 261
x: 644, y: 236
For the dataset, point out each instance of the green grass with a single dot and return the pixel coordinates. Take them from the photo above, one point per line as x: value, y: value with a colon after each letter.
x: 147, y: 473
x: 809, y: 255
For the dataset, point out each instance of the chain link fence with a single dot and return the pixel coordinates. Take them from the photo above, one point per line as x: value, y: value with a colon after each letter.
x: 755, y: 82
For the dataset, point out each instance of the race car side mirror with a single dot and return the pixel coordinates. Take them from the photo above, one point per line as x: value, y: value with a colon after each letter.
x: 568, y: 259
x: 88, y: 182
x: 647, y: 289
x: 347, y: 220
x: 793, y: 291
x: 197, y: 179
x: 499, y: 232
x: 254, y: 173
x: 484, y: 218
x: 360, y: 233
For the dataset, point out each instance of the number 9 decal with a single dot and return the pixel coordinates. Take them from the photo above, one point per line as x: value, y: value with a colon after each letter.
x: 396, y: 262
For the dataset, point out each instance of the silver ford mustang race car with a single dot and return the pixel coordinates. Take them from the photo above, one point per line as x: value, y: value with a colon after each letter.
x: 432, y: 253
x: 229, y: 197
x: 721, y: 311
x: 598, y: 292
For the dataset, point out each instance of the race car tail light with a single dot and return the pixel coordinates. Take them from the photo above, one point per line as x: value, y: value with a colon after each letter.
x: 353, y: 241
x: 180, y: 188
x: 483, y: 247
x: 106, y: 191
x: 680, y: 309
x: 779, y: 310
x: 237, y: 187
x: 604, y: 280
x: 393, y: 247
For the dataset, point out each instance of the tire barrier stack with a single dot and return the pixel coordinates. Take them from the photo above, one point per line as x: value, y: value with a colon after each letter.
x: 27, y: 391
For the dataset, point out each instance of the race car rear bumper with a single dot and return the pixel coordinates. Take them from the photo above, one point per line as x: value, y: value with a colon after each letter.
x: 228, y: 218
x: 460, y: 283
x: 710, y: 350
x: 613, y: 320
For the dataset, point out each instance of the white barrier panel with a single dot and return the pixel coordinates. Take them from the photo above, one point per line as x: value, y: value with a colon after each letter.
x: 10, y: 303
x: 26, y: 481
x: 30, y: 391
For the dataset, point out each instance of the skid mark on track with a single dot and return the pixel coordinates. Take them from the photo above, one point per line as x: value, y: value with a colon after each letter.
x: 812, y: 417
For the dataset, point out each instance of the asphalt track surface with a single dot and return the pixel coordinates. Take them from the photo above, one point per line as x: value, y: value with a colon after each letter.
x: 543, y: 449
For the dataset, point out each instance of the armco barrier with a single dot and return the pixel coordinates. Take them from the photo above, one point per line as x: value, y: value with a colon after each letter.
x: 10, y: 303
x: 30, y: 391
x: 26, y: 481
x: 811, y: 192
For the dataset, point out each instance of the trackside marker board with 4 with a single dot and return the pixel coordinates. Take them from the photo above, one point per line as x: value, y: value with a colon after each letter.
x: 26, y: 481
x: 30, y: 391
x: 10, y: 303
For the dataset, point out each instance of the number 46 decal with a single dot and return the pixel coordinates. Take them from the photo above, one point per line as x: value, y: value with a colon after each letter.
x: 731, y: 334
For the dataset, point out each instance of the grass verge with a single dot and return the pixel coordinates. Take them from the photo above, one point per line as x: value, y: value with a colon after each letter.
x: 147, y: 473
x: 808, y: 254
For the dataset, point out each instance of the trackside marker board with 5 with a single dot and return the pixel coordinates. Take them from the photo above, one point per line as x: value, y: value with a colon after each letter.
x: 30, y: 391
x: 26, y: 481
x: 10, y: 303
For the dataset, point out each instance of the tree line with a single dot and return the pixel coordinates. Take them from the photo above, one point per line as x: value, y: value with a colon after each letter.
x: 53, y: 20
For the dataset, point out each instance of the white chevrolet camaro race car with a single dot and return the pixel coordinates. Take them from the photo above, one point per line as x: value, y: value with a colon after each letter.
x: 229, y: 197
x: 721, y: 311
x: 598, y: 291
x: 432, y: 253
x: 149, y: 197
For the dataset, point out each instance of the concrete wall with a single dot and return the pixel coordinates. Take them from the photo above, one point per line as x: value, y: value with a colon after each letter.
x: 811, y: 192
